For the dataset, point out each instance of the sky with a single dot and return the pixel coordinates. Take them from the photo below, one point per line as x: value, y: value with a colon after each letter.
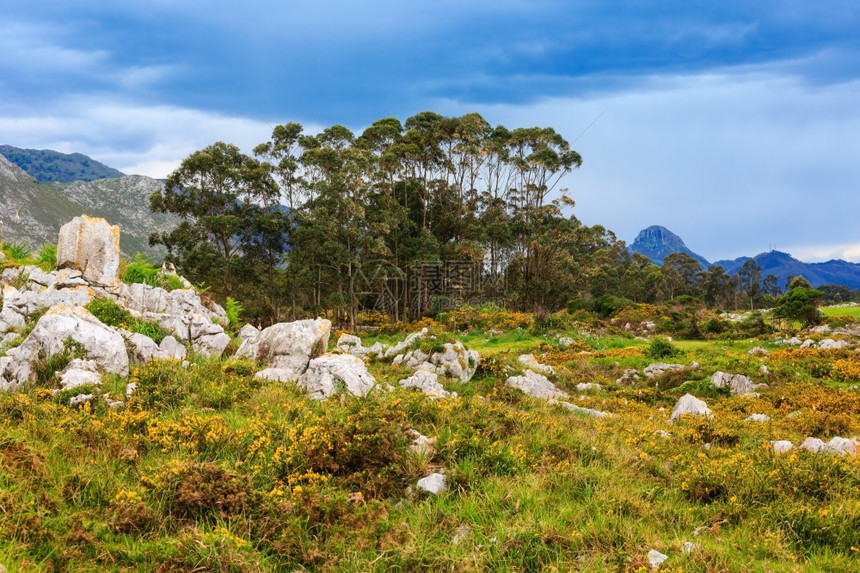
x: 735, y: 124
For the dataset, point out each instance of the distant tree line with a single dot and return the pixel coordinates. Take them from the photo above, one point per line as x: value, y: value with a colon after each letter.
x: 412, y: 218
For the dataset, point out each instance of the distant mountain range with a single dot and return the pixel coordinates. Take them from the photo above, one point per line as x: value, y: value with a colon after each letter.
x: 33, y: 212
x: 46, y: 165
x: 657, y: 242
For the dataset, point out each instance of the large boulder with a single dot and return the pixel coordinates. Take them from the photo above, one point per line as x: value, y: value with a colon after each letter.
x: 325, y: 373
x: 90, y: 245
x: 738, y: 384
x: 427, y: 382
x: 55, y: 328
x: 288, y: 346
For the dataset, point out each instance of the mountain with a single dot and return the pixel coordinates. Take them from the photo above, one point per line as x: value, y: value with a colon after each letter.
x: 657, y: 242
x: 782, y: 265
x: 42, y: 208
x: 46, y: 165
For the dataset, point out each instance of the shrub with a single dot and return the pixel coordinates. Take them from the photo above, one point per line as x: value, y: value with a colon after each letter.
x: 661, y: 348
x: 109, y: 312
x: 47, y: 257
x: 233, y: 309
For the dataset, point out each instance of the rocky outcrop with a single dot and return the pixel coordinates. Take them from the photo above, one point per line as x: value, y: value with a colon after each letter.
x: 536, y: 385
x: 325, y: 374
x: 427, y: 382
x: 529, y: 361
x: 738, y: 384
x: 659, y: 368
x: 54, y: 331
x: 91, y: 246
x: 287, y: 347
x: 453, y: 360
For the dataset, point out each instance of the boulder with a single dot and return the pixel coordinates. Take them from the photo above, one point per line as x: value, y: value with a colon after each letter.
x: 758, y: 351
x: 247, y: 331
x: 421, y: 445
x: 170, y: 348
x: 529, y: 361
x: 761, y: 418
x: 830, y: 344
x: 782, y: 446
x: 536, y: 385
x: 586, y: 411
x: 324, y: 374
x: 351, y: 344
x: 60, y: 324
x: 288, y: 346
x: 656, y: 559
x: 454, y: 360
x: 143, y: 348
x: 660, y: 367
x: 91, y: 246
x: 689, y: 404
x: 78, y: 373
x: 737, y: 383
x: 404, y: 345
x: 427, y: 382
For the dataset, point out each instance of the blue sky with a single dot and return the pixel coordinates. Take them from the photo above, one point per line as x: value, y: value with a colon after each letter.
x: 734, y: 124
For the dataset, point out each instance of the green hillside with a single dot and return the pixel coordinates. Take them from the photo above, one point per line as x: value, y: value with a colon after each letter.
x: 46, y: 165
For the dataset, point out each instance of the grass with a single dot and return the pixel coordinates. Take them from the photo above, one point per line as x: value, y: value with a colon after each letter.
x: 208, y: 468
x: 852, y: 311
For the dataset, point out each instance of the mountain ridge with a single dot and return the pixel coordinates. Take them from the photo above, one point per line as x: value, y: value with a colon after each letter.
x: 657, y: 242
x: 47, y: 165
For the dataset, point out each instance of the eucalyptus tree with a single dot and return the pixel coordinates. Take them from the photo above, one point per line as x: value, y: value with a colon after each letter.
x: 217, y: 191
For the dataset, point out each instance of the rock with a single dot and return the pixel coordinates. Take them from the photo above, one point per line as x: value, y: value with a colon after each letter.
x: 207, y: 338
x: 454, y: 361
x: 843, y: 446
x: 403, y: 345
x: 98, y: 342
x: 660, y: 367
x: 656, y: 559
x: 247, y: 331
x: 421, y: 445
x: 830, y: 344
x: 758, y: 351
x: 586, y: 386
x: 763, y: 369
x: 565, y: 341
x: 347, y: 340
x: 808, y: 343
x: 536, y: 385
x: 78, y: 373
x: 288, y: 346
x: 689, y: 404
x: 351, y: 344
x: 529, y: 361
x: 689, y: 547
x: 324, y: 373
x: 427, y: 382
x: 80, y: 399
x: 761, y: 418
x: 782, y: 446
x: 586, y: 411
x: 737, y: 383
x: 662, y: 434
x: 812, y: 444
x: 143, y: 348
x: 130, y: 389
x: 630, y: 376
x: 170, y: 348
x: 435, y: 483
x: 823, y: 329
x: 19, y: 305
x: 91, y: 246
x: 793, y: 341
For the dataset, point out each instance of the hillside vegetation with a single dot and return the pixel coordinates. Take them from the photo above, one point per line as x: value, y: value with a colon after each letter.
x: 46, y: 165
x: 208, y: 468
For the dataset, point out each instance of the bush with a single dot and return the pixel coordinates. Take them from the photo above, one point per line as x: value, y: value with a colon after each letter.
x: 661, y: 348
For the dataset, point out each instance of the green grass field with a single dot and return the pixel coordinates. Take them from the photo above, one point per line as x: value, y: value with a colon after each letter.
x: 852, y: 311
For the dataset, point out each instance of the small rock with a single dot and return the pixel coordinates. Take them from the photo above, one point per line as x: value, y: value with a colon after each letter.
x: 80, y: 399
x: 758, y: 418
x: 689, y: 547
x: 689, y: 404
x: 758, y: 351
x: 656, y: 559
x: 529, y: 361
x: 536, y: 385
x: 660, y: 367
x: 435, y: 483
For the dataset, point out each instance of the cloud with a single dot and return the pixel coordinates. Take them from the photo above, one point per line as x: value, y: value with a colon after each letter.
x: 144, y: 140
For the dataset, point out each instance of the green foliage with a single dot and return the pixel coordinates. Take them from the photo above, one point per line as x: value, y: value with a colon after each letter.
x: 112, y: 314
x: 233, y: 309
x: 46, y: 366
x: 17, y: 254
x: 799, y: 303
x: 661, y: 348
x: 46, y: 258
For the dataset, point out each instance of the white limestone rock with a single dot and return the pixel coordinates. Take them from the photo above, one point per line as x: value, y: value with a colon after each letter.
x: 454, y: 360
x: 689, y: 404
x: 758, y: 351
x: 656, y: 559
x: 660, y: 367
x: 404, y: 345
x: 782, y: 446
x: 247, y: 331
x: 588, y: 386
x: 170, y: 348
x: 536, y: 385
x: 435, y: 483
x: 587, y: 411
x: 759, y: 418
x: 738, y: 384
x: 91, y: 246
x: 78, y: 373
x: 99, y: 342
x: 830, y: 344
x: 325, y: 373
x: 427, y: 382
x: 288, y: 346
x: 529, y: 361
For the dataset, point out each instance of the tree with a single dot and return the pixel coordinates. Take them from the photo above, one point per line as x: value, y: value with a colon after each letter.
x: 682, y: 274
x: 799, y: 303
x: 218, y: 191
x: 750, y: 276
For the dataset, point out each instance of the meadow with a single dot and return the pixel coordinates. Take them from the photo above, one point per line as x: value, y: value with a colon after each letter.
x: 210, y: 469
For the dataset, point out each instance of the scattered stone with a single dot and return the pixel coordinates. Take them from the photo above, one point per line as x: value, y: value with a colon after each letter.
x: 80, y: 399
x: 325, y: 373
x: 427, y: 382
x: 171, y: 349
x: 830, y: 344
x: 421, y: 445
x: 91, y: 246
x: 758, y: 351
x: 823, y: 329
x: 662, y: 434
x: 565, y: 341
x: 435, y: 483
x: 536, y: 385
x: 454, y: 361
x: 586, y: 411
x: 689, y: 404
x: 130, y: 389
x: 529, y: 361
x: 738, y: 383
x: 247, y: 331
x: 761, y: 418
x: 586, y: 386
x: 404, y: 345
x: 808, y: 343
x: 689, y: 547
x: 656, y: 559
x: 630, y: 377
x: 763, y: 369
x: 782, y: 446
x: 79, y: 373
x: 660, y: 367
x: 812, y: 444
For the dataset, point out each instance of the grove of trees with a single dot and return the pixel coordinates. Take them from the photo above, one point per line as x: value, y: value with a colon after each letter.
x: 412, y: 218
